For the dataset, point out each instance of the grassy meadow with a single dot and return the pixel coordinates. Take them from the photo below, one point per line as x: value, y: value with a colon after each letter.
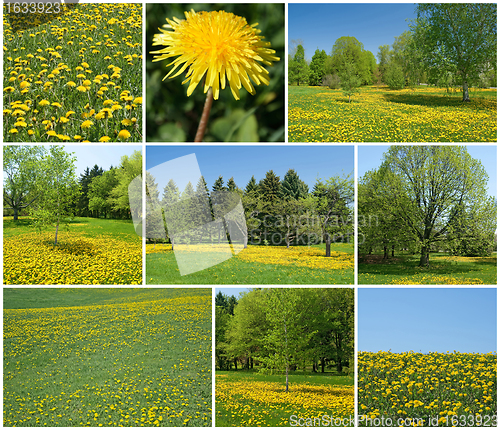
x: 414, y: 389
x: 90, y: 251
x: 107, y: 357
x: 258, y: 265
x: 246, y: 399
x: 76, y: 77
x: 378, y: 114
x: 443, y: 269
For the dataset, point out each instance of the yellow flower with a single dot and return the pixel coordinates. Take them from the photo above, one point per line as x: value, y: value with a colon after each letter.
x: 124, y: 134
x: 219, y: 44
x: 13, y: 131
x: 87, y: 124
x: 70, y: 84
x: 56, y: 104
x: 104, y: 139
x: 81, y: 88
x: 44, y: 103
x: 138, y: 100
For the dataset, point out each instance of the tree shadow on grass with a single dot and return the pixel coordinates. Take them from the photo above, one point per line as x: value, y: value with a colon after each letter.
x: 435, y: 101
x: 75, y: 247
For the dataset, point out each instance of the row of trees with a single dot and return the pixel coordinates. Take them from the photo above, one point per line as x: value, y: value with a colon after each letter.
x: 277, y: 212
x: 448, y: 44
x: 426, y: 198
x: 42, y: 182
x: 285, y: 329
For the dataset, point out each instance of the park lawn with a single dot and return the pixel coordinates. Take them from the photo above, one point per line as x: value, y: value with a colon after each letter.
x: 378, y: 114
x: 136, y: 357
x: 251, y: 399
x: 89, y: 251
x: 443, y: 269
x: 259, y: 265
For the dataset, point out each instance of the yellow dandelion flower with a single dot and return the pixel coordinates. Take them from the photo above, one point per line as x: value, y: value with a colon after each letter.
x: 100, y: 115
x: 217, y: 44
x: 87, y: 124
x: 8, y: 89
x: 127, y: 122
x: 124, y: 134
x: 77, y: 137
x: 52, y: 133
x: 31, y: 132
x: 56, y: 104
x: 70, y: 84
x: 44, y: 103
x: 81, y: 88
x: 138, y: 100
x: 104, y: 139
x: 13, y: 131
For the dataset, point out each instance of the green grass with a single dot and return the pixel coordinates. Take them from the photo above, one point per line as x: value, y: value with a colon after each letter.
x: 90, y: 227
x: 246, y: 398
x: 443, y: 269
x: 64, y: 71
x: 378, y: 114
x: 137, y: 357
x: 161, y: 268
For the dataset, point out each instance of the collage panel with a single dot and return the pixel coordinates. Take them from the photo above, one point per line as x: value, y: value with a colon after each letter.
x: 427, y: 357
x: 72, y: 72
x: 107, y: 357
x: 284, y: 357
x: 68, y: 215
x: 427, y: 214
x: 249, y: 215
x: 215, y: 72
x: 398, y: 72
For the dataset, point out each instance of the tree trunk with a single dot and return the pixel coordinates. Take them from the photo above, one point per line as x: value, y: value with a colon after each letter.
x: 424, y: 257
x: 392, y: 252
x: 16, y: 214
x: 386, y: 253
x: 466, y: 92
x: 235, y: 364
x: 328, y: 245
x: 323, y: 365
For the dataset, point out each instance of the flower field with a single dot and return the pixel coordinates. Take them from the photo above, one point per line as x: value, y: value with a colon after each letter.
x: 451, y: 389
x: 142, y: 358
x: 77, y: 77
x: 253, y: 403
x: 91, y: 252
x: 257, y: 264
x: 425, y: 114
x: 443, y: 270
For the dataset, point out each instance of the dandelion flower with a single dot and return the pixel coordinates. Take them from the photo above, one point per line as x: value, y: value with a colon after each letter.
x: 124, y: 134
x: 218, y: 44
x: 104, y: 139
x: 87, y: 124
x: 81, y: 88
x: 13, y: 131
x: 44, y: 103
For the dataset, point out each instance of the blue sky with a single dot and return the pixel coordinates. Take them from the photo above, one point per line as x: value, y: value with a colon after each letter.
x: 373, y: 24
x: 231, y: 291
x: 370, y: 157
x: 102, y: 155
x: 241, y: 162
x: 427, y: 319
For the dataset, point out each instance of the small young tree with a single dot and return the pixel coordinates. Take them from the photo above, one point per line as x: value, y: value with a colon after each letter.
x: 394, y: 76
x: 349, y: 80
x: 58, y: 190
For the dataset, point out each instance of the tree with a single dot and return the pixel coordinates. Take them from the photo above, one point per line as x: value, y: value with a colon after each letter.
x: 394, y: 76
x: 85, y: 180
x: 21, y: 165
x: 298, y: 70
x: 287, y: 337
x: 252, y: 186
x: 317, y: 67
x: 130, y: 167
x: 99, y: 193
x: 170, y: 198
x: 292, y: 187
x: 428, y: 186
x: 58, y: 190
x: 333, y: 199
x: 458, y: 36
x: 270, y: 187
x: 349, y: 80
x: 384, y: 56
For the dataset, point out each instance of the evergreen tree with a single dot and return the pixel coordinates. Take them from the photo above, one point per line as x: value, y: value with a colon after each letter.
x: 269, y: 187
x: 293, y: 187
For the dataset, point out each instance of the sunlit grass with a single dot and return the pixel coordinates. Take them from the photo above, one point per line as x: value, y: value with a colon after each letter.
x: 423, y: 114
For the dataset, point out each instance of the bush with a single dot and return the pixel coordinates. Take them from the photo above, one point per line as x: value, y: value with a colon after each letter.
x: 331, y: 81
x: 394, y: 76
